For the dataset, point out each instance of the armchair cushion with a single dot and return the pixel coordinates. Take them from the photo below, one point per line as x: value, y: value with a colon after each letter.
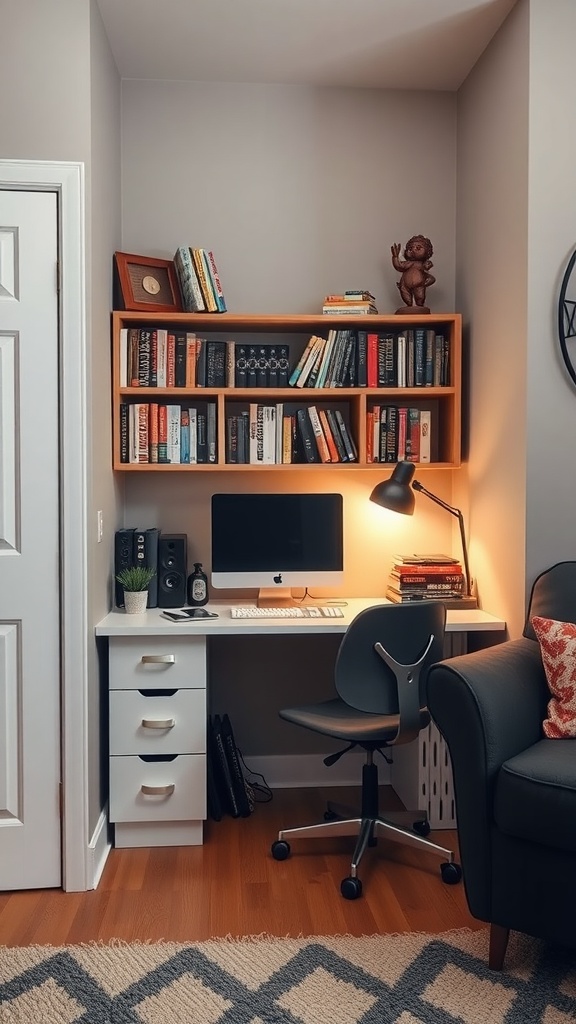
x: 535, y: 795
x: 558, y: 649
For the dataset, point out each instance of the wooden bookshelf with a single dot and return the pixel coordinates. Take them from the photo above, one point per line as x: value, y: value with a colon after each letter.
x: 295, y: 331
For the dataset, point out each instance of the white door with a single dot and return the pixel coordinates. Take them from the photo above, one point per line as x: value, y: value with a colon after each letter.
x: 30, y: 828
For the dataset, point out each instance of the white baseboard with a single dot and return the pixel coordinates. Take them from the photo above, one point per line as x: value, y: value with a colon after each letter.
x: 98, y: 850
x: 291, y: 771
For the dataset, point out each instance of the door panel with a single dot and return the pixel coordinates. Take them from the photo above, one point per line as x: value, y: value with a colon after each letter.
x: 30, y: 832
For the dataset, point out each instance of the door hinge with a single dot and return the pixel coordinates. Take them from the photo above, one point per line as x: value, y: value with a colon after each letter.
x: 58, y: 277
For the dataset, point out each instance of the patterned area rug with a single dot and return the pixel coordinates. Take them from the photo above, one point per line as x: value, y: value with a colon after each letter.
x: 387, y: 979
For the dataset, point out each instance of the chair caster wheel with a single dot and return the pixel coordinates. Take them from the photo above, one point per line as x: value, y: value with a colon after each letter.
x: 421, y: 828
x: 451, y: 873
x: 281, y: 850
x: 351, y: 888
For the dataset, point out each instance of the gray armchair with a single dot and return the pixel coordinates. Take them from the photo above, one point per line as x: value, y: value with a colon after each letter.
x: 515, y: 790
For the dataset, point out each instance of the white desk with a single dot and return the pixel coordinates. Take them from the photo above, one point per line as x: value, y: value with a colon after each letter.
x: 158, y: 677
x: 152, y: 623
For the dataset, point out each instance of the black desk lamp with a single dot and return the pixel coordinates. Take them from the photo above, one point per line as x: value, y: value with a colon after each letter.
x: 397, y: 495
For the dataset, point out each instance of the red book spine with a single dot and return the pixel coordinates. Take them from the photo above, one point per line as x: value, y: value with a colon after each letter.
x: 372, y: 361
x: 171, y: 361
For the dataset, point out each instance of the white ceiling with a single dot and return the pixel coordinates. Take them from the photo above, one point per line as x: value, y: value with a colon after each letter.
x: 387, y: 44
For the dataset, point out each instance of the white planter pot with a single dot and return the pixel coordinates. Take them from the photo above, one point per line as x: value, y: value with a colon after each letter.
x: 135, y: 601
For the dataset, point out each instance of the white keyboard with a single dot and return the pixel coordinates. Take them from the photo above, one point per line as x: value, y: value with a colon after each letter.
x: 319, y: 611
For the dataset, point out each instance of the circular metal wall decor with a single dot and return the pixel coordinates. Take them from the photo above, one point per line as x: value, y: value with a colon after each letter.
x: 567, y: 319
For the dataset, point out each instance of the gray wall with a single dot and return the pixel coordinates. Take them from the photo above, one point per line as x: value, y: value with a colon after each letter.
x: 516, y: 230
x: 299, y: 191
x: 492, y: 259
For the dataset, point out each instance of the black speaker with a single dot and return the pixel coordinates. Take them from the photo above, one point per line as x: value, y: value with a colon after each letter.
x: 172, y: 570
x: 123, y: 559
x: 146, y: 553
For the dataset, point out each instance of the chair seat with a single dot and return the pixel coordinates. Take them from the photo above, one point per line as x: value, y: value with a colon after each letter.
x: 338, y: 719
x: 536, y: 795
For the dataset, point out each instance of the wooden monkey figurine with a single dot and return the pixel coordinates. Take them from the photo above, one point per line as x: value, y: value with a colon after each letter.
x: 414, y: 269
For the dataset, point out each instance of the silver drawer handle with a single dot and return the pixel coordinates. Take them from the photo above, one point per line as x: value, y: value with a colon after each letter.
x: 158, y: 659
x: 158, y: 723
x: 158, y: 790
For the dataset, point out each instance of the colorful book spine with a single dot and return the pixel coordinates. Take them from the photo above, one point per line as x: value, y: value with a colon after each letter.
x: 207, y: 294
x: 217, y: 284
x: 153, y: 431
x: 192, y: 299
x: 163, y: 434
x: 321, y: 442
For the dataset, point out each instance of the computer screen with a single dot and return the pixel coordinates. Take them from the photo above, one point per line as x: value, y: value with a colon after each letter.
x: 277, y: 540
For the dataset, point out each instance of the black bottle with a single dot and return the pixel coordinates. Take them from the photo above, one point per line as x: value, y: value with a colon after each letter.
x: 197, y: 591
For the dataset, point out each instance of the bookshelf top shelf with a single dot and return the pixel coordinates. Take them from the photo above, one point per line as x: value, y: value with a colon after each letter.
x: 279, y: 322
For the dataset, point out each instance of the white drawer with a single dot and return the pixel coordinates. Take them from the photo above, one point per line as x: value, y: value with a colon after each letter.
x: 162, y: 723
x: 179, y: 785
x: 173, y: 662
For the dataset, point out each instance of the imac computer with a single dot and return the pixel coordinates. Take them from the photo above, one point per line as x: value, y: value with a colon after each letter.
x: 274, y: 542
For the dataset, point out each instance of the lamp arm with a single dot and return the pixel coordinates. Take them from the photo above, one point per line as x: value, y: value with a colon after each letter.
x: 455, y: 512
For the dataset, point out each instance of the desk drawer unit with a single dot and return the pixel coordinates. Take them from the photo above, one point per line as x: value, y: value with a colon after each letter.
x: 157, y: 740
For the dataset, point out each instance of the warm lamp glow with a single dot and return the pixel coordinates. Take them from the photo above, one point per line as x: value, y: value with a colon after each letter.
x: 397, y: 495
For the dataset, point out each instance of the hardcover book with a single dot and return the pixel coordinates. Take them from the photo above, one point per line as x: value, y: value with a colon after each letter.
x: 205, y: 285
x: 192, y: 299
x: 216, y: 282
x: 241, y: 372
x: 283, y: 365
x: 180, y: 359
x: 309, y: 446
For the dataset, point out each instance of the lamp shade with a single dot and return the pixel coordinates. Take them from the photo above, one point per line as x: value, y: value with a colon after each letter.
x: 396, y: 493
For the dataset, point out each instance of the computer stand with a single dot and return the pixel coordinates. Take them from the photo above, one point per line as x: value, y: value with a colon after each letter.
x: 275, y: 597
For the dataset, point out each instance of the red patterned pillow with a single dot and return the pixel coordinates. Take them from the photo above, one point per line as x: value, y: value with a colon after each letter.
x: 558, y: 648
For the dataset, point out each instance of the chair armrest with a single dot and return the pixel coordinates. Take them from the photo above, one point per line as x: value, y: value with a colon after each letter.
x: 488, y: 705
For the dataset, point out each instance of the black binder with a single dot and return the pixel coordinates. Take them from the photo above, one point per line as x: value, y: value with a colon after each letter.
x: 236, y: 773
x: 222, y: 775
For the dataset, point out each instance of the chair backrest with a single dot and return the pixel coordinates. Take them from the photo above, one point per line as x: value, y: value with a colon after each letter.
x: 553, y: 596
x: 362, y: 678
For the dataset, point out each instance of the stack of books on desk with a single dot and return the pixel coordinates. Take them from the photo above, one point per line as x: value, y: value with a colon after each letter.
x: 350, y: 303
x: 425, y: 577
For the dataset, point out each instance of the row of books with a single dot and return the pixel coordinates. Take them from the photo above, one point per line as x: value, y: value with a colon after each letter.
x: 350, y: 303
x: 357, y: 358
x: 420, y: 578
x: 282, y: 434
x: 399, y: 433
x: 199, y: 281
x: 172, y: 358
x: 159, y: 357
x: 154, y: 433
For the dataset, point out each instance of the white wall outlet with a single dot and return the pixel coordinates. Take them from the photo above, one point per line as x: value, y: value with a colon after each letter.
x: 100, y: 525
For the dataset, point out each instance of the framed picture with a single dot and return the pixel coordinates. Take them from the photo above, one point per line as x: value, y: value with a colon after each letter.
x: 145, y: 284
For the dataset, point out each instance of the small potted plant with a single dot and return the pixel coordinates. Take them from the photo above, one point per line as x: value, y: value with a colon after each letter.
x: 135, y: 580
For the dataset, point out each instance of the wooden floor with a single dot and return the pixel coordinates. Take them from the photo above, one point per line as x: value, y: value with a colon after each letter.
x: 232, y: 886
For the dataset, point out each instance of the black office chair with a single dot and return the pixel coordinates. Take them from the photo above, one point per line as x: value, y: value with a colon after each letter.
x: 380, y: 678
